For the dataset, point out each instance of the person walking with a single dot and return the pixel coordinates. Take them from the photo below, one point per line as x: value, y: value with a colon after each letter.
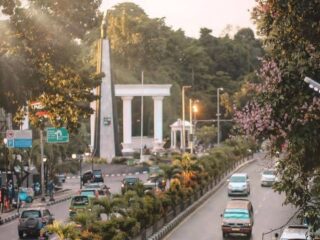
x: 51, y: 189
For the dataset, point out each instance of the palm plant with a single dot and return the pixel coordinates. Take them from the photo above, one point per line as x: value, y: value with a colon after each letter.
x: 64, y: 231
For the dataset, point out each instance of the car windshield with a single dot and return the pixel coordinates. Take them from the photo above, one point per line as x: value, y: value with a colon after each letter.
x: 92, y: 186
x: 88, y: 193
x: 97, y: 173
x: 80, y: 201
x: 31, y: 214
x: 268, y: 172
x: 237, y: 179
x: 130, y: 180
x: 236, y: 214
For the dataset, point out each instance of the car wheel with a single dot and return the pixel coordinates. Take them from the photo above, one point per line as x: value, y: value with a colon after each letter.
x: 249, y: 235
x: 20, y: 234
x: 224, y: 235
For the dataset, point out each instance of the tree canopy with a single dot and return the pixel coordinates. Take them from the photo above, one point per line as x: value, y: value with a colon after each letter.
x: 285, y: 109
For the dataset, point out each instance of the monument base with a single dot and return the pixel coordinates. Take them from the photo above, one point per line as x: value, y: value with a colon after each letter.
x: 127, y: 149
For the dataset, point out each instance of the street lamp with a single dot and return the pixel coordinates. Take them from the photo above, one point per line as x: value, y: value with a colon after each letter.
x: 43, y: 187
x: 75, y: 156
x: 45, y: 165
x: 312, y: 84
x: 183, y: 140
x: 5, y: 141
x: 218, y: 114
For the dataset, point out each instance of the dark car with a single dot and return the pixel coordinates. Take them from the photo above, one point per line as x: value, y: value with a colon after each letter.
x: 97, y: 176
x: 87, y: 177
x: 237, y: 218
x: 32, y: 220
x: 129, y: 183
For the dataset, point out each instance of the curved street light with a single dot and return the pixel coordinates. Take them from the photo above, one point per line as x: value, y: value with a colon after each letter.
x: 312, y: 84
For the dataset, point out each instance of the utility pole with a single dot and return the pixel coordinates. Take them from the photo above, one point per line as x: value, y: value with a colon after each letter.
x: 218, y: 115
x: 183, y: 140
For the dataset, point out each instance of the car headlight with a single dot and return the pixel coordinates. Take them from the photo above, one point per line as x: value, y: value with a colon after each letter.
x: 247, y: 224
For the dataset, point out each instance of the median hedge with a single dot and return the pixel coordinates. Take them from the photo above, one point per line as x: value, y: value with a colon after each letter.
x: 129, y: 214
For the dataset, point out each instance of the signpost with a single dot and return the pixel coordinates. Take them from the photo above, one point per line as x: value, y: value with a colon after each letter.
x: 57, y: 135
x: 19, y: 138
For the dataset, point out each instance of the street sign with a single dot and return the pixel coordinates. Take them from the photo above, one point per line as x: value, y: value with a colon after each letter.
x: 19, y: 138
x: 57, y: 135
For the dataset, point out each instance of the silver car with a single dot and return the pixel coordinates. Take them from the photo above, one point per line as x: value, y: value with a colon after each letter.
x: 268, y: 177
x: 295, y: 232
x: 239, y: 184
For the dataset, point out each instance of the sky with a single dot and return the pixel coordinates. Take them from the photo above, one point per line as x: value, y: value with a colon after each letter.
x: 191, y: 15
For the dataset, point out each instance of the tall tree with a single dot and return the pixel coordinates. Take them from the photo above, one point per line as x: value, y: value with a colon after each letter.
x: 285, y: 109
x: 45, y: 38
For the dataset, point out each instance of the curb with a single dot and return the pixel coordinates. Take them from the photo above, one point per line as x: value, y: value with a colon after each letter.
x: 114, y: 174
x: 16, y: 215
x: 178, y: 219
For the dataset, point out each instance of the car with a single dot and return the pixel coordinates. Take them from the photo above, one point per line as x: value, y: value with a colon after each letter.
x: 87, y: 177
x: 237, y: 218
x: 239, y: 184
x: 155, y: 181
x: 314, y: 231
x: 268, y: 177
x: 295, y: 232
x: 129, y: 183
x: 97, y: 176
x: 61, y: 178
x: 32, y: 220
x: 103, y: 190
x: 91, y: 193
x: 79, y: 204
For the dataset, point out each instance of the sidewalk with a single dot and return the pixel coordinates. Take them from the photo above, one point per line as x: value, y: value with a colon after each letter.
x: 13, y: 214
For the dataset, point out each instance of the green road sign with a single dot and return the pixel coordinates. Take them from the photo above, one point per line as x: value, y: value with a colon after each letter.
x: 57, y: 135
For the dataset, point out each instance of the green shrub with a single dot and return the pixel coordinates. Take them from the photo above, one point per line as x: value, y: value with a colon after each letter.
x: 119, y: 160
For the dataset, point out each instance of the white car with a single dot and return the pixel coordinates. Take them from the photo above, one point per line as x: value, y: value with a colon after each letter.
x: 239, y: 184
x: 295, y: 232
x: 268, y: 177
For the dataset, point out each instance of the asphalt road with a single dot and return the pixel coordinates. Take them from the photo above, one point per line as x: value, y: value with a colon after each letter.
x: 269, y: 212
x: 61, y: 211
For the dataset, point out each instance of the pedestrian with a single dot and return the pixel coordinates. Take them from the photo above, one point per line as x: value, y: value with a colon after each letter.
x: 50, y: 189
x: 10, y: 191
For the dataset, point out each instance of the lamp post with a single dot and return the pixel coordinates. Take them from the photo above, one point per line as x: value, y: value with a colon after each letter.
x: 43, y: 184
x: 45, y: 167
x: 193, y: 118
x: 218, y: 114
x: 183, y: 140
x: 75, y: 156
x: 5, y: 141
x: 312, y: 84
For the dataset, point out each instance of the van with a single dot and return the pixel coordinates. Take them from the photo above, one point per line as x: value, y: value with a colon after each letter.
x: 295, y: 232
x: 237, y: 218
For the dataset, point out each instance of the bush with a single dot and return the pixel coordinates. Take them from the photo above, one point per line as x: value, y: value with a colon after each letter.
x: 119, y: 160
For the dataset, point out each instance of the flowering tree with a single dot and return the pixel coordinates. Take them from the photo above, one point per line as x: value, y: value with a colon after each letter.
x: 284, y: 109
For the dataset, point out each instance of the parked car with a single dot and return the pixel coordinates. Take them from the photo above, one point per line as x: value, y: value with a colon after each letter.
x: 32, y: 220
x: 79, y: 204
x: 129, y: 183
x: 295, y: 232
x: 237, y: 218
x: 268, y: 177
x: 239, y: 184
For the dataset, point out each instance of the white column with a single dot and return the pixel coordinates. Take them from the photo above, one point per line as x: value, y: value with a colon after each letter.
x: 171, y: 138
x: 127, y: 124
x: 157, y: 102
x: 175, y: 138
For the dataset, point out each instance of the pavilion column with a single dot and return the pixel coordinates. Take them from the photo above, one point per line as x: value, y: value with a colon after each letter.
x: 158, y: 118
x: 127, y: 124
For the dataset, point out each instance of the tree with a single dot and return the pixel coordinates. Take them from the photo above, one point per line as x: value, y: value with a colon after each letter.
x: 285, y: 109
x: 44, y: 38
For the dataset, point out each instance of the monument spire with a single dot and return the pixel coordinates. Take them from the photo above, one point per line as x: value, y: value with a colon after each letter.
x: 104, y: 25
